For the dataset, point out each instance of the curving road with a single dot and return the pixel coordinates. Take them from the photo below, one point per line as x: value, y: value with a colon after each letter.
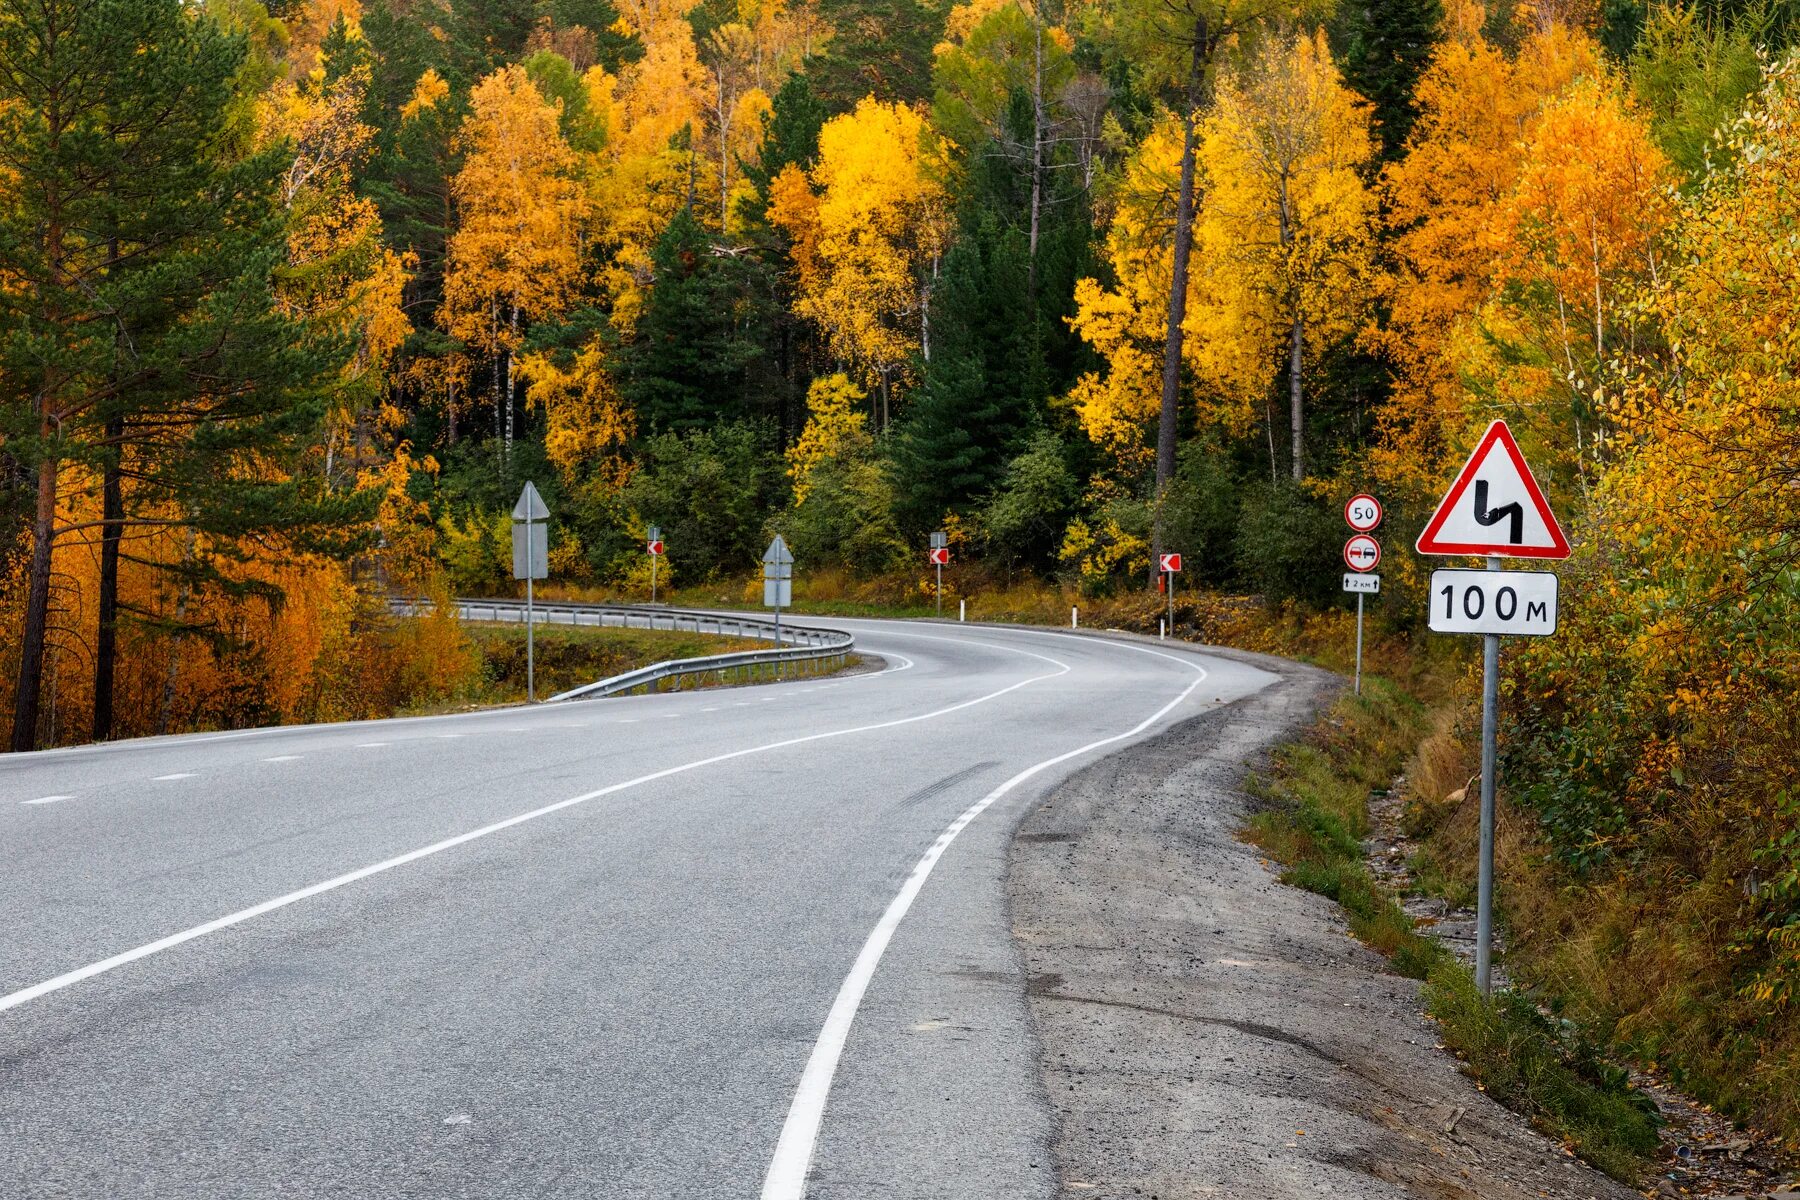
x: 720, y: 944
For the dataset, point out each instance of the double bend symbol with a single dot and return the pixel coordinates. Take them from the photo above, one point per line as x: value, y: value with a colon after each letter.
x: 1515, y: 533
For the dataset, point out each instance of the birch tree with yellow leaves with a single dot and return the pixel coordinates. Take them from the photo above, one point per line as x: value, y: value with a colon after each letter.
x: 874, y: 217
x: 1286, y: 227
x: 516, y: 252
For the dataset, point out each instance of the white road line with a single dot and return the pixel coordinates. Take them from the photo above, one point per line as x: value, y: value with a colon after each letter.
x: 70, y: 978
x: 282, y: 758
x: 788, y: 1169
x: 46, y: 800
x: 128, y: 745
x: 446, y: 735
x: 176, y: 775
x: 371, y: 745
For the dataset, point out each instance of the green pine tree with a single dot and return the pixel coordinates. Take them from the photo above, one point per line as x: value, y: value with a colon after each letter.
x: 694, y: 356
x: 140, y: 338
x: 880, y: 48
x: 982, y: 388
x: 1384, y: 46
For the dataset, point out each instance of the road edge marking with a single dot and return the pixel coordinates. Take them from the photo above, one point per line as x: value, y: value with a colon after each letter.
x: 792, y: 1161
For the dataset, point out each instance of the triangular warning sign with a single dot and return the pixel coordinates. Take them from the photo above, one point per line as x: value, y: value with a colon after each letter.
x: 1494, y: 507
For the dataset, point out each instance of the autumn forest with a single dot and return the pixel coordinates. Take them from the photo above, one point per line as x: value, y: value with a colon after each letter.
x: 296, y: 295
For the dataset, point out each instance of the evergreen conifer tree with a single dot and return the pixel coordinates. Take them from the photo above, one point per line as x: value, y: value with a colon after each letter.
x: 696, y: 341
x: 983, y: 384
x: 1384, y: 46
x: 139, y: 332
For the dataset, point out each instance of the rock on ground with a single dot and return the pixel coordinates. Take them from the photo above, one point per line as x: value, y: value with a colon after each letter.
x: 1209, y: 1031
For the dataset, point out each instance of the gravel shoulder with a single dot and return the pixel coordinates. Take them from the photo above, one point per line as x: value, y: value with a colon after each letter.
x: 1208, y: 1031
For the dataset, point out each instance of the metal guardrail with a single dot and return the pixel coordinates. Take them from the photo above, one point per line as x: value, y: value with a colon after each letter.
x: 801, y: 648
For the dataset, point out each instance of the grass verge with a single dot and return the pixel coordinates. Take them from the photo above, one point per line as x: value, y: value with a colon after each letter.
x: 1313, y: 821
x: 568, y: 657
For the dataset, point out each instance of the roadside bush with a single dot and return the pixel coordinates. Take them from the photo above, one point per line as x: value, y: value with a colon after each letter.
x: 711, y: 491
x: 1023, y: 520
x: 1283, y: 537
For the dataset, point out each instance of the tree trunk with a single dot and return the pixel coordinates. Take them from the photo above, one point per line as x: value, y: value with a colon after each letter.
x: 1037, y: 149
x: 499, y: 387
x: 37, y: 612
x: 165, y: 711
x: 106, y: 637
x: 1178, y: 287
x: 1296, y: 426
x: 510, y: 383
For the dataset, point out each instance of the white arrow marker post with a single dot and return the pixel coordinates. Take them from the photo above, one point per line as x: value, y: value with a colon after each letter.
x: 778, y: 580
x: 1494, y: 509
x: 531, y: 561
x: 940, y: 554
x: 654, y: 544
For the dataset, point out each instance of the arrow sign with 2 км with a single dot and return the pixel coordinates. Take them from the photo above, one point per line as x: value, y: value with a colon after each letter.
x: 1495, y: 507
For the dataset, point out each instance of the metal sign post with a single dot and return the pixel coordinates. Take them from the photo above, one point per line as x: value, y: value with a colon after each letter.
x: 1493, y: 495
x: 531, y: 561
x: 940, y: 554
x: 778, y: 580
x: 1362, y: 513
x: 656, y: 549
x: 1169, y: 565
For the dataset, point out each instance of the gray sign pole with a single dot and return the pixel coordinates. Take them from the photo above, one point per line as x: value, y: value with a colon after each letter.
x: 1359, y: 602
x: 1490, y: 722
x: 655, y: 532
x: 1171, y: 577
x: 526, y: 565
x: 940, y: 541
x: 530, y: 624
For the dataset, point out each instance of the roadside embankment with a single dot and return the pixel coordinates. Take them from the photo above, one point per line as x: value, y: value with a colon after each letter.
x: 1208, y: 1031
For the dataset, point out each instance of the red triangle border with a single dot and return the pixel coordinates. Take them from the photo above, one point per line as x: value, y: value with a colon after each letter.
x: 1428, y: 542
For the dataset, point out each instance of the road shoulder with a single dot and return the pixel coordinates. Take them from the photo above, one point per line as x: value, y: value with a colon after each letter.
x: 1208, y: 1031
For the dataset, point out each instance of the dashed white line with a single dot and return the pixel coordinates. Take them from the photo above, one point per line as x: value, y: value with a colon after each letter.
x: 372, y: 745
x: 70, y: 978
x: 176, y: 775
x: 446, y: 735
x: 46, y: 800
x: 282, y: 758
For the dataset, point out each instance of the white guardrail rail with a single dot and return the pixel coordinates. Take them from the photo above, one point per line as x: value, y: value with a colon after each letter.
x: 801, y: 649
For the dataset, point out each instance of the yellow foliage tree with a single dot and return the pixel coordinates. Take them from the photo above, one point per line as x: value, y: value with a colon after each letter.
x: 1463, y: 158
x: 1571, y: 245
x: 587, y: 423
x: 1285, y: 237
x: 1127, y: 324
x: 835, y: 425
x: 874, y: 220
x: 516, y: 251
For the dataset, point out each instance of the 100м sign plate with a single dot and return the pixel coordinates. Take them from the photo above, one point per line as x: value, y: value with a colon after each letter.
x: 1509, y: 603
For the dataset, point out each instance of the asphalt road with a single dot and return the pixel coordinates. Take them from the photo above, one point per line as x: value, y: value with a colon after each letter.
x: 736, y: 943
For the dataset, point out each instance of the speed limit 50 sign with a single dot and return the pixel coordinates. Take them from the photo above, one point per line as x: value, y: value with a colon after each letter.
x: 1508, y: 603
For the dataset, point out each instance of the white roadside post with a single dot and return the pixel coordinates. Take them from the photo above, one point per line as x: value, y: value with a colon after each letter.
x: 1362, y: 512
x: 778, y: 580
x: 531, y: 561
x: 1170, y: 565
x: 940, y: 554
x: 655, y: 546
x: 1494, y: 510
